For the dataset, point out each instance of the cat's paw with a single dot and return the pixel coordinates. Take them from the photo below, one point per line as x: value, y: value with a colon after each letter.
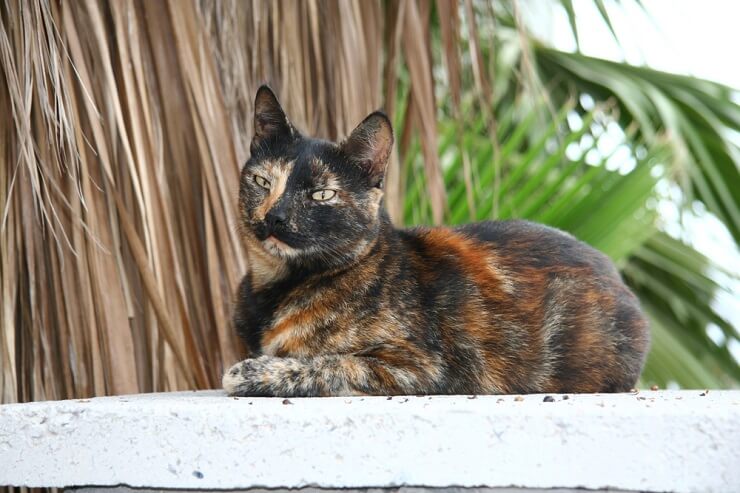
x: 247, y: 379
x: 232, y: 378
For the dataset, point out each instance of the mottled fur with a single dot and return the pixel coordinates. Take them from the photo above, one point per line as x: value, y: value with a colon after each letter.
x: 339, y: 302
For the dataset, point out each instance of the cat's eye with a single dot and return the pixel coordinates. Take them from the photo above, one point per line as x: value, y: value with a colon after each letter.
x: 261, y: 182
x: 323, y: 195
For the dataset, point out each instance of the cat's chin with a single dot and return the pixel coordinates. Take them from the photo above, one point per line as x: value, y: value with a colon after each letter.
x: 278, y: 248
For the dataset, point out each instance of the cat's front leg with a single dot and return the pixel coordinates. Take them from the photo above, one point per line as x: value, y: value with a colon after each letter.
x: 330, y: 375
x: 271, y: 376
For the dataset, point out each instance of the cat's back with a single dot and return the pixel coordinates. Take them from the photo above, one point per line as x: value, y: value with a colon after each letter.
x: 510, y: 243
x: 536, y: 245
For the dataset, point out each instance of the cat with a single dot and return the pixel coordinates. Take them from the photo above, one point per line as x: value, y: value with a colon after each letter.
x: 338, y: 302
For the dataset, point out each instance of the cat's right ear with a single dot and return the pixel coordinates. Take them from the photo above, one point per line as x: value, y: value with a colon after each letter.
x: 270, y: 121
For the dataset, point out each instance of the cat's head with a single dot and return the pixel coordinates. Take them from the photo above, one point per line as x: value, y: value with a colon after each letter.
x: 310, y: 201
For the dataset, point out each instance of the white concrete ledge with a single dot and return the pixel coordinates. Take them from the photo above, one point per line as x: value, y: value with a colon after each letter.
x: 653, y: 441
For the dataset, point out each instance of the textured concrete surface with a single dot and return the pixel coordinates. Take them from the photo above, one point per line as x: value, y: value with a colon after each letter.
x: 651, y: 441
x: 402, y: 489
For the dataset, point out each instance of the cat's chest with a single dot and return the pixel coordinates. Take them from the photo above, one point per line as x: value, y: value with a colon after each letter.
x: 291, y: 332
x: 294, y: 324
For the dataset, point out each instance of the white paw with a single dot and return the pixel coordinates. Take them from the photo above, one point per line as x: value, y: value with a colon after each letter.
x: 232, y: 378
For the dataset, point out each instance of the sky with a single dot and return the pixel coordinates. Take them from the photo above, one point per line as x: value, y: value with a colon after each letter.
x: 681, y: 36
x: 689, y: 37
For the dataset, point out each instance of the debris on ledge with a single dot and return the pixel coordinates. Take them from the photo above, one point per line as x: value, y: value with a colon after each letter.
x: 648, y: 441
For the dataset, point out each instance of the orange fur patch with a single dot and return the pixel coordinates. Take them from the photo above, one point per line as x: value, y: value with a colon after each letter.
x: 277, y: 173
x: 475, y: 258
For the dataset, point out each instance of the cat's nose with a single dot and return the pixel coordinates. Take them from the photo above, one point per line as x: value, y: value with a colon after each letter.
x: 276, y: 217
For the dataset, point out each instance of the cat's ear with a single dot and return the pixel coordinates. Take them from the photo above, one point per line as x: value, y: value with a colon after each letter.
x: 270, y: 121
x: 369, y: 146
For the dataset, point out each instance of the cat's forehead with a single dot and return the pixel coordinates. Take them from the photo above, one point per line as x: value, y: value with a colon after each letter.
x: 307, y: 160
x: 313, y: 168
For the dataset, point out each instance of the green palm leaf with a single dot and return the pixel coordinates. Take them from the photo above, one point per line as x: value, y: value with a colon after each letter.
x: 696, y: 117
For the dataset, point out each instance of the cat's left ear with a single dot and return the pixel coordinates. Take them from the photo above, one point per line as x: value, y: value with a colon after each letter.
x: 270, y: 121
x: 369, y: 146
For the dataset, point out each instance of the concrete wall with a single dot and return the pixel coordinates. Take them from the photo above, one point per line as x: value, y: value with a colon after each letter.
x: 651, y: 441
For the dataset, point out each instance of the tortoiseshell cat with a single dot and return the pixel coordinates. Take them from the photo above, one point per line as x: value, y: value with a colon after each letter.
x: 339, y: 302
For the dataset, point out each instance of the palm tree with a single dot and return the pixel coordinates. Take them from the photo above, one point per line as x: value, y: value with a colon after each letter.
x: 126, y: 123
x: 670, y: 131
